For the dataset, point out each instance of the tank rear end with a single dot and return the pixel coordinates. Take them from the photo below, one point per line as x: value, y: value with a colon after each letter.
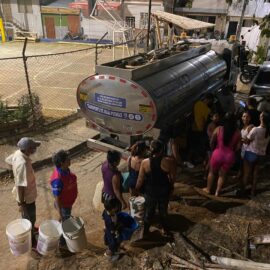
x: 116, y: 104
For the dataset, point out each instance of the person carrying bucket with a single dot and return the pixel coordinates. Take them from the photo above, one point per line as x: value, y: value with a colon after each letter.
x: 25, y: 181
x: 157, y: 175
x: 64, y: 187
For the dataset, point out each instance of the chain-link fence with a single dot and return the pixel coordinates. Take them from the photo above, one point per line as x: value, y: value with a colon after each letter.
x: 54, y: 78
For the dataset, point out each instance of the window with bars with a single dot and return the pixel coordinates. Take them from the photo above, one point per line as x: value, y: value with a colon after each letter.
x: 25, y: 6
x: 130, y: 21
x: 143, y: 19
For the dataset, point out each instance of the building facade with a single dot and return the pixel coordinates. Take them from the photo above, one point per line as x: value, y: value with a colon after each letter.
x: 212, y: 11
x: 254, y: 12
x: 23, y: 15
x: 129, y: 13
x: 136, y: 12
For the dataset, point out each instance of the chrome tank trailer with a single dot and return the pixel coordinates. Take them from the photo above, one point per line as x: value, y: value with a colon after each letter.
x: 130, y: 97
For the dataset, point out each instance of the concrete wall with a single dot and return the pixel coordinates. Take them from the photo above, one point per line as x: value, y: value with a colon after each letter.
x: 259, y: 8
x: 94, y: 29
x: 220, y: 23
x: 204, y: 7
x: 210, y: 4
x: 134, y: 9
x: 251, y: 36
x: 31, y: 21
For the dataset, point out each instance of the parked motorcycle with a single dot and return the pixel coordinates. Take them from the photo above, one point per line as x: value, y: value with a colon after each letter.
x: 70, y: 36
x: 248, y: 72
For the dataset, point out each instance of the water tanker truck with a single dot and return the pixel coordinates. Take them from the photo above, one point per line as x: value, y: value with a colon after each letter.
x: 127, y: 98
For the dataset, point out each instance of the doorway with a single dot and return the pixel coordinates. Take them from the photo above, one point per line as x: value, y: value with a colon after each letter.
x: 50, y: 27
x: 232, y: 28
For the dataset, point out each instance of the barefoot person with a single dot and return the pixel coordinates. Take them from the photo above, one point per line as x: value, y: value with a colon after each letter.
x: 157, y: 175
x: 225, y: 141
x: 25, y: 181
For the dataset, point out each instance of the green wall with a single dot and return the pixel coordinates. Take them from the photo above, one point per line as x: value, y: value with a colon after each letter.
x: 57, y: 19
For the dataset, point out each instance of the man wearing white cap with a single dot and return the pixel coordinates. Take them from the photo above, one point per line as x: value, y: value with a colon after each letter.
x: 24, y: 177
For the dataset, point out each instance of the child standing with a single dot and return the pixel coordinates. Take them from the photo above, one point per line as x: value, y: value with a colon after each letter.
x: 64, y: 186
x: 111, y: 231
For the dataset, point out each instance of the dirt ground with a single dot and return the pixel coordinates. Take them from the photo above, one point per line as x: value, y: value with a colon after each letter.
x: 217, y: 226
x: 87, y: 168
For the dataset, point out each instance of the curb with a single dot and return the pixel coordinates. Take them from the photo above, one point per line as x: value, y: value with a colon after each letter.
x: 48, y: 127
x: 74, y: 151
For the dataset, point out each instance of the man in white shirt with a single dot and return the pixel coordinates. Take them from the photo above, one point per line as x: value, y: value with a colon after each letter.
x: 24, y: 177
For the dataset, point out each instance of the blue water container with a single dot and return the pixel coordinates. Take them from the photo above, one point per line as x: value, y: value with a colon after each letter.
x: 128, y: 225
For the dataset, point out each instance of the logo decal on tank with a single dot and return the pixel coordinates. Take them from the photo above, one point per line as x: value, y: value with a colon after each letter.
x: 110, y: 100
x: 115, y: 114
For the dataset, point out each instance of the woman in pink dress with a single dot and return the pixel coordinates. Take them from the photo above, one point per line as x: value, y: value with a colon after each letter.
x: 225, y: 141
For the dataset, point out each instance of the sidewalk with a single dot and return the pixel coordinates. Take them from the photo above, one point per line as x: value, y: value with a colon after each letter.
x: 65, y: 138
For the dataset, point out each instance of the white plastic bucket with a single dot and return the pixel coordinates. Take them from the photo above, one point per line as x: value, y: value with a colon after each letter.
x: 19, y: 236
x: 137, y: 208
x: 74, y: 234
x: 49, y: 234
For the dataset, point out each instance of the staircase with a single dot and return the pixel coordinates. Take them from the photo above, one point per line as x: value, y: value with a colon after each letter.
x: 15, y: 25
x: 19, y: 30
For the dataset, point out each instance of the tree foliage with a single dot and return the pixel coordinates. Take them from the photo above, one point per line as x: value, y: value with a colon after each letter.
x: 265, y: 26
x: 260, y: 55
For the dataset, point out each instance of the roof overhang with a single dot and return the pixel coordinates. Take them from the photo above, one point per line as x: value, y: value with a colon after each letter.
x: 183, y: 22
x: 59, y: 10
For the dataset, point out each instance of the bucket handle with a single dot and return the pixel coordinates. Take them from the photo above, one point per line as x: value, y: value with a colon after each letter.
x: 75, y: 223
x: 69, y: 236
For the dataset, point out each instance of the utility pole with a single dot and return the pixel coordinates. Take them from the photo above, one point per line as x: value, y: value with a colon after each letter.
x: 238, y: 32
x: 148, y: 27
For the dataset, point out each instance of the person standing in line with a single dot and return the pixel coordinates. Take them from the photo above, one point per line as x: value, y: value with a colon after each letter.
x: 157, y: 175
x: 63, y: 184
x: 64, y: 187
x: 225, y: 142
x: 253, y: 112
x: 226, y: 99
x: 138, y: 151
x: 198, y: 136
x: 246, y: 128
x: 25, y: 181
x: 112, y: 179
x: 216, y: 119
x: 257, y: 140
